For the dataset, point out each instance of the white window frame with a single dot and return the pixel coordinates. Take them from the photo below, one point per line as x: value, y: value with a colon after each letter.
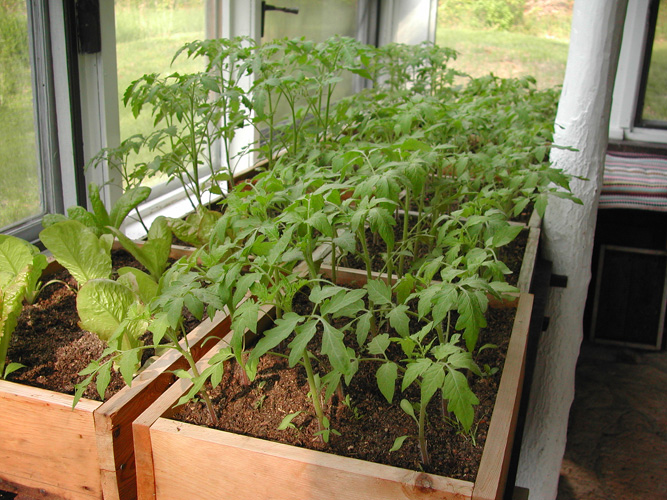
x: 627, y: 85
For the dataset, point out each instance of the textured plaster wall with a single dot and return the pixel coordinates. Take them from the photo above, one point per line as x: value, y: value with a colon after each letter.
x: 582, y: 122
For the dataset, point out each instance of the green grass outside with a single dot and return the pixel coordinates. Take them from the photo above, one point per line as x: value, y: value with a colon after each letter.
x: 147, y: 40
x: 20, y: 186
x: 506, y: 54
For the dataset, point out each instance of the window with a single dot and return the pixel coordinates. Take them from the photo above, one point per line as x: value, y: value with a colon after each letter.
x: 59, y: 91
x: 28, y: 148
x: 652, y: 104
x: 639, y: 107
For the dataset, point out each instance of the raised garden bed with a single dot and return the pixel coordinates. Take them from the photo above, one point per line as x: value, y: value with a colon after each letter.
x: 175, y: 459
x: 49, y: 450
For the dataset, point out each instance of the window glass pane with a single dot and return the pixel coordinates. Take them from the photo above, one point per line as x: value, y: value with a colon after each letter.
x: 655, y: 98
x: 20, y: 192
x: 148, y: 34
x: 509, y: 38
x: 317, y: 20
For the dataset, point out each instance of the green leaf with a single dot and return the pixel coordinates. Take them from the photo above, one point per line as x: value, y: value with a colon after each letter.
x: 398, y: 319
x: 379, y: 292
x: 432, y: 380
x: 398, y: 442
x: 76, y: 248
x: 103, y: 305
x: 404, y: 288
x: 413, y: 371
x: 284, y: 328
x: 334, y: 347
x: 299, y: 345
x: 154, y: 253
x: 319, y: 294
x: 379, y: 344
x: 129, y: 364
x: 460, y: 398
x: 363, y: 328
x: 286, y: 422
x: 407, y: 407
x: 103, y: 378
x: 139, y: 282
x: 386, y: 378
x: 101, y: 215
x: 128, y: 201
x: 344, y: 303
x: 15, y: 254
x: 505, y: 234
x: 320, y: 222
x: 11, y: 368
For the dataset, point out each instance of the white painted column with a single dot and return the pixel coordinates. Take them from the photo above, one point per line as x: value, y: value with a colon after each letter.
x: 583, y: 123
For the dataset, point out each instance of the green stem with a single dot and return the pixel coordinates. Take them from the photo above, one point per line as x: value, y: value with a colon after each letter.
x: 423, y: 449
x: 314, y: 391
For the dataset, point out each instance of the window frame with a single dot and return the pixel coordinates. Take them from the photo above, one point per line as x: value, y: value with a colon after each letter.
x: 634, y: 58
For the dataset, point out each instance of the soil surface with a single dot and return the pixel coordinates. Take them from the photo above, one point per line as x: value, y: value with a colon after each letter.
x: 48, y: 340
x: 367, y: 423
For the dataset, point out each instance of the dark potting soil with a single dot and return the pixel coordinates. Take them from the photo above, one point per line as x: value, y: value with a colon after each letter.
x: 511, y: 254
x: 368, y: 424
x: 49, y: 342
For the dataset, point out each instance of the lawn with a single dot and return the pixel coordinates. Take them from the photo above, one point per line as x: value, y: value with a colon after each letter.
x: 19, y: 188
x: 506, y: 54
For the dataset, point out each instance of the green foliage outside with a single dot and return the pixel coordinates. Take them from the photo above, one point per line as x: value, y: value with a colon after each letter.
x: 501, y: 14
x: 509, y: 38
x: 655, y: 102
x: 14, y: 57
x: 19, y: 189
x: 148, y: 34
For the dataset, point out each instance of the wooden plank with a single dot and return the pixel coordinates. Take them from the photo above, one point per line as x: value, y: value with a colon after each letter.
x: 492, y: 475
x: 113, y: 420
x: 535, y: 220
x: 210, y: 461
x: 47, y: 445
x: 164, y: 405
x: 529, y: 259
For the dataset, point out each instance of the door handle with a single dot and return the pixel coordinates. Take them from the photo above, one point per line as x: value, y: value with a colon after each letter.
x: 267, y: 7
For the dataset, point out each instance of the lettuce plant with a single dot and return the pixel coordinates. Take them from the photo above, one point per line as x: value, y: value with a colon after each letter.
x: 153, y: 254
x: 15, y: 255
x: 99, y: 220
x: 12, y: 291
x: 79, y: 250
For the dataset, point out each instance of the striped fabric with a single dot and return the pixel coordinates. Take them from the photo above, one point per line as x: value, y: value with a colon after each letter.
x: 633, y: 180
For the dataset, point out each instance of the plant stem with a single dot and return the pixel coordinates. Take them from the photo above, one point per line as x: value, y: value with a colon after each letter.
x: 423, y: 448
x: 314, y: 391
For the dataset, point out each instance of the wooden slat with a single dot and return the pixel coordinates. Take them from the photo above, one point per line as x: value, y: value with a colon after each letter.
x: 163, y: 405
x: 113, y: 420
x: 211, y: 462
x: 492, y: 475
x: 529, y: 259
x: 44, y: 444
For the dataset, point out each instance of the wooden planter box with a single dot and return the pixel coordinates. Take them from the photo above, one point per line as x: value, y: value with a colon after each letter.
x: 177, y: 460
x: 49, y: 450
